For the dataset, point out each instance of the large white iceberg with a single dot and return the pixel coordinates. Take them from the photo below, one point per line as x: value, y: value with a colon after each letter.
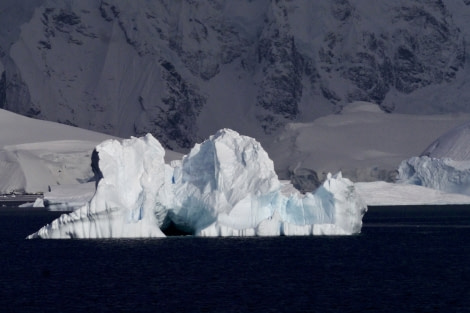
x: 225, y: 186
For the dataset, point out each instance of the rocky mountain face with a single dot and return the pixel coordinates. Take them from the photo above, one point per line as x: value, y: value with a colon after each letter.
x: 182, y: 69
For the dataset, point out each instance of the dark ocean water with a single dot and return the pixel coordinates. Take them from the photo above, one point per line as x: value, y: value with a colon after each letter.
x: 407, y: 259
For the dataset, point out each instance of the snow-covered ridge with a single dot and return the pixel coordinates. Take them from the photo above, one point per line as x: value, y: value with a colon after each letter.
x: 225, y: 186
x: 41, y: 156
x: 35, y: 155
x: 363, y: 142
x: 454, y: 144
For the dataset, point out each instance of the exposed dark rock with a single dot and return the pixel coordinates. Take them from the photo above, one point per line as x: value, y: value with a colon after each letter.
x: 304, y: 180
x: 174, y: 123
x: 66, y: 18
x: 430, y: 50
x: 3, y: 90
x: 341, y: 9
x: 281, y: 87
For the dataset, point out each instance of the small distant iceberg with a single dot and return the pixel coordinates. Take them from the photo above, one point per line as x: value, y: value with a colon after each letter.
x: 441, y: 174
x: 225, y: 186
x: 444, y: 165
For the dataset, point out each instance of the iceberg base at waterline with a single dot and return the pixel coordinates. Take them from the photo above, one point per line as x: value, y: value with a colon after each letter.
x: 225, y: 186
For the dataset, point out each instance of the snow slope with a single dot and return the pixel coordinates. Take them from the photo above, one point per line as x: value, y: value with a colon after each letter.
x: 16, y: 129
x: 35, y: 155
x: 363, y: 142
x: 454, y: 144
x: 381, y: 193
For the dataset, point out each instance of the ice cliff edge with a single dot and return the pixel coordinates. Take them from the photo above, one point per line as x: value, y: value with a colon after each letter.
x: 225, y: 186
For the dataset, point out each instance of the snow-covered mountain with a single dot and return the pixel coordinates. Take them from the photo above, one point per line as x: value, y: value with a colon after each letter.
x: 183, y: 69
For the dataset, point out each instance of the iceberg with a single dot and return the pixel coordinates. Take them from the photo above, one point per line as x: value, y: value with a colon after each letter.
x: 225, y: 186
x: 441, y: 174
x: 124, y: 204
x: 444, y: 165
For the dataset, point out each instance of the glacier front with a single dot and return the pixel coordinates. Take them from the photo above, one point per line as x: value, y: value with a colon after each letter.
x: 225, y: 186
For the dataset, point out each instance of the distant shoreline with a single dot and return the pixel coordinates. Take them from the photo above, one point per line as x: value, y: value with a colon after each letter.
x: 19, y: 198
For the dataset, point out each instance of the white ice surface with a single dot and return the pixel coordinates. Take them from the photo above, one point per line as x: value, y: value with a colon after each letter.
x: 225, y: 186
x: 381, y: 193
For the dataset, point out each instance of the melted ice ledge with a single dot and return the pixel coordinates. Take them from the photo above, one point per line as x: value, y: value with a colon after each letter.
x: 225, y: 186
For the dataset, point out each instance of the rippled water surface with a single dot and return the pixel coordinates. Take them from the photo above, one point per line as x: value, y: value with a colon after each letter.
x: 411, y: 259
